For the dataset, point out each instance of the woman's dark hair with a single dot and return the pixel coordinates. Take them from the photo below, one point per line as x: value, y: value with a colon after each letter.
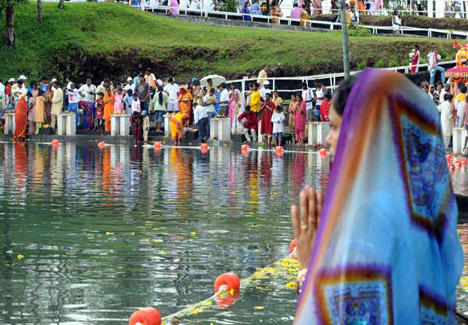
x: 341, y: 94
x: 160, y: 95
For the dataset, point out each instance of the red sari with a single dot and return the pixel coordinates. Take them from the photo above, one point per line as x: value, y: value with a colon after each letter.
x: 21, y: 119
x: 267, y: 113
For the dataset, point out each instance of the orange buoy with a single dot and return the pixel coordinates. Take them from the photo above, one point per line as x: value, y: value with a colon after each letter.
x: 323, y: 152
x: 157, y: 145
x: 55, y: 142
x: 229, y: 279
x: 451, y: 167
x: 292, y: 245
x: 101, y: 145
x: 146, y: 316
x: 279, y: 151
x: 244, y: 148
x: 204, y: 146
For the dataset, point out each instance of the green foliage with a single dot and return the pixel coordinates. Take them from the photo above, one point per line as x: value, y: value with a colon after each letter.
x: 230, y: 5
x: 362, y: 65
x: 380, y: 63
x: 393, y: 63
x: 359, y: 32
x: 185, y: 49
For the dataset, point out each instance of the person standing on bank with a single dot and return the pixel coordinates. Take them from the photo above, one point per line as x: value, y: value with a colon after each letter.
x: 308, y: 98
x: 266, y: 126
x: 159, y: 106
x: 144, y: 94
x: 57, y: 102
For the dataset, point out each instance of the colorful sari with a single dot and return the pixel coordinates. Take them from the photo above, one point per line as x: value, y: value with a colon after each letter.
x: 176, y: 125
x: 21, y: 119
x: 300, y: 118
x: 87, y: 118
x: 108, y: 110
x: 387, y: 249
x: 235, y: 109
x: 185, y: 101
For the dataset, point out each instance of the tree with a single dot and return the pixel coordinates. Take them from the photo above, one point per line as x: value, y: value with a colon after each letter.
x: 61, y: 4
x: 40, y: 15
x: 9, y: 7
x: 344, y: 36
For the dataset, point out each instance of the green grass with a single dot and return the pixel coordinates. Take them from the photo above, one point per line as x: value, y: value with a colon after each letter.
x: 113, y: 39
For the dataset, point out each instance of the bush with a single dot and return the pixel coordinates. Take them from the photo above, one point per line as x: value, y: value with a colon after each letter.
x: 359, y: 32
x: 380, y: 64
x: 362, y: 65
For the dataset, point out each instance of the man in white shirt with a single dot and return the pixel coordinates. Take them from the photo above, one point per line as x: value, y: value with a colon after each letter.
x: 308, y: 97
x: 200, y: 118
x: 88, y: 91
x: 129, y: 85
x: 172, y: 90
x: 224, y: 101
x: 433, y: 59
x: 265, y: 89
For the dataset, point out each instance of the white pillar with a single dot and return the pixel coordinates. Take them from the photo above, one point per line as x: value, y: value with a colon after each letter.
x: 61, y: 124
x: 224, y: 129
x: 214, y: 130
x: 167, y: 128
x: 323, y: 128
x: 124, y: 125
x: 71, y: 124
x: 115, y: 125
x: 9, y: 123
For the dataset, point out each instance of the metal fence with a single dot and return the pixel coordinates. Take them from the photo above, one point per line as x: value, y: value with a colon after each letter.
x: 291, y: 85
x: 328, y: 25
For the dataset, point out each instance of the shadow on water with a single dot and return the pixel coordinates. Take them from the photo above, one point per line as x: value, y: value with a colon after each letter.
x: 106, y: 231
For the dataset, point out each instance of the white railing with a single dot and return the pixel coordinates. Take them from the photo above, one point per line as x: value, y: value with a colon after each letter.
x: 331, y: 81
x: 376, y: 30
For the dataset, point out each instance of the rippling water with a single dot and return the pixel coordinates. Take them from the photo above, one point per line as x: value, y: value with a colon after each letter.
x: 88, y: 235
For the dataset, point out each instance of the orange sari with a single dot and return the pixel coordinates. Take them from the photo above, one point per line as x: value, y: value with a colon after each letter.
x: 185, y: 101
x: 21, y: 119
x: 108, y: 109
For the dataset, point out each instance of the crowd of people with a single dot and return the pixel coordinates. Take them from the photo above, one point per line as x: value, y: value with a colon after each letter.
x: 147, y: 98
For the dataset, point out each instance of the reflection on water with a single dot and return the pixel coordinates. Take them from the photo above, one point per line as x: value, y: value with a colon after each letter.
x: 103, y: 232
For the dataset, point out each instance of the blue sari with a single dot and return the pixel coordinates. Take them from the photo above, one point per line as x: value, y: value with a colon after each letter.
x: 387, y: 249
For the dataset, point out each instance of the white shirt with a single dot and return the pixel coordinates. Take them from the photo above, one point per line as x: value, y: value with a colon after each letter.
x: 73, y: 96
x: 432, y: 59
x: 319, y: 93
x: 307, y: 95
x: 131, y: 87
x: 278, y: 122
x: 209, y: 108
x: 224, y: 97
x: 136, y: 105
x: 172, y: 90
x: 84, y: 92
x: 2, y: 91
x: 199, y: 113
x: 263, y: 91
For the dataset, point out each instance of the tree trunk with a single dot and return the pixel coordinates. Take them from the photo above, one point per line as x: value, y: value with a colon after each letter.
x: 10, y: 25
x: 61, y: 4
x: 344, y: 36
x: 40, y: 15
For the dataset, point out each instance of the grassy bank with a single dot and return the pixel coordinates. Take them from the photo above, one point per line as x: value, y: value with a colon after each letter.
x: 104, y: 39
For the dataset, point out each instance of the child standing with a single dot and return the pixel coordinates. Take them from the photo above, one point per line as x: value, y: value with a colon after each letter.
x: 325, y: 108
x: 100, y: 112
x: 118, y: 101
x: 278, y: 125
x: 73, y: 100
x: 137, y: 122
x: 146, y: 126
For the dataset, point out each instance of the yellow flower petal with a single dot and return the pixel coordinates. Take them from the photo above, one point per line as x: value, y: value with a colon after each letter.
x: 258, y: 307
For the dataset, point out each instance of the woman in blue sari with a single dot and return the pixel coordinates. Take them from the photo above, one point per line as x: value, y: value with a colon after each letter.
x: 386, y: 249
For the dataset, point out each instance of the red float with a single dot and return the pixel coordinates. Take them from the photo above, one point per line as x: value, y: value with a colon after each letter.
x: 146, y: 316
x: 292, y: 245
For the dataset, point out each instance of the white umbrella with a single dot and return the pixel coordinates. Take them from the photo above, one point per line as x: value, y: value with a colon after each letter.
x: 217, y: 80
